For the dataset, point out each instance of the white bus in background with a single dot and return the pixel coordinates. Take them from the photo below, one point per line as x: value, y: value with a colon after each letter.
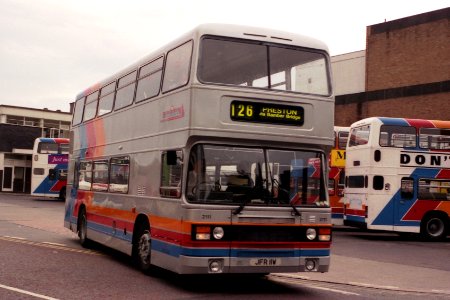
x: 209, y: 155
x: 49, y: 167
x: 398, y: 176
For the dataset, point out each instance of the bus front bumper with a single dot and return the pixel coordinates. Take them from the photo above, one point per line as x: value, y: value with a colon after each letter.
x: 224, y: 265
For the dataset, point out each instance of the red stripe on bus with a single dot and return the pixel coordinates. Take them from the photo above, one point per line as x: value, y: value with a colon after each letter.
x: 420, y: 123
x: 416, y: 212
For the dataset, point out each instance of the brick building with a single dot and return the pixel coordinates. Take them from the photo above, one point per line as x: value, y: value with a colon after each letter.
x: 407, y: 71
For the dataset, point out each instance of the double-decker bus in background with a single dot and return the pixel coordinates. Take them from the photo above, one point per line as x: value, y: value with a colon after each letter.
x: 209, y: 155
x: 398, y: 176
x: 336, y: 175
x: 49, y: 164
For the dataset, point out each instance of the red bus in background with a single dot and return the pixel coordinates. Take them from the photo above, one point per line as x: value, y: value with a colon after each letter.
x: 336, y: 174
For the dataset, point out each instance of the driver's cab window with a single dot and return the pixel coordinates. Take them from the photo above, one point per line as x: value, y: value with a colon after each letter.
x: 171, y: 173
x: 197, y: 176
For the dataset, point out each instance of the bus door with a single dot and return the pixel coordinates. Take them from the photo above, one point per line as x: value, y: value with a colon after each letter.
x: 403, y: 199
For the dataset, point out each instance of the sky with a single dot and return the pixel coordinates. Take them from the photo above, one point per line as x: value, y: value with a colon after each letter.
x: 50, y: 50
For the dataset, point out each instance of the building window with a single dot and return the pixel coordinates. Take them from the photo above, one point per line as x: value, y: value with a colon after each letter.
x: 15, y: 120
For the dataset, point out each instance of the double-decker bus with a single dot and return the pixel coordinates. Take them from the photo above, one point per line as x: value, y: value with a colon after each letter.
x: 49, y: 164
x: 336, y: 175
x: 209, y: 155
x: 398, y: 176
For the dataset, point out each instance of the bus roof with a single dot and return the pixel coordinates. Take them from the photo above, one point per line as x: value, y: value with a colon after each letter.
x: 227, y: 30
x: 418, y: 123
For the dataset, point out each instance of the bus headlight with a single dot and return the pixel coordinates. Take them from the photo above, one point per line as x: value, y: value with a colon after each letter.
x: 311, y: 234
x: 218, y: 233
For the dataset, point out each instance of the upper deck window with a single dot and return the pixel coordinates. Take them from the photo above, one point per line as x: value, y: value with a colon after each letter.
x: 178, y: 65
x: 342, y: 139
x: 48, y: 148
x: 106, y: 101
x: 397, y: 136
x: 269, y: 66
x: 90, y: 109
x: 435, y: 138
x: 125, y: 90
x: 359, y: 136
x: 149, y: 80
x: 78, y: 112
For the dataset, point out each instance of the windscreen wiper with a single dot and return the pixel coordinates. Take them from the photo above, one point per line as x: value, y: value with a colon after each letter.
x: 241, y: 207
x: 278, y: 186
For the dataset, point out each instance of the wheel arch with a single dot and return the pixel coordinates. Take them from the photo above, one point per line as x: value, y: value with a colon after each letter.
x: 142, y: 221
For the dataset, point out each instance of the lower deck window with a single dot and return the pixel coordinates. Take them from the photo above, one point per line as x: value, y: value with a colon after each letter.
x: 433, y: 189
x: 357, y: 181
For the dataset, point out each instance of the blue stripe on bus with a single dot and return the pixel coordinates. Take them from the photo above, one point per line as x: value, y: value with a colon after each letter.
x: 394, y: 121
x: 118, y: 233
x: 337, y: 215
x: 47, y: 140
x: 389, y: 215
x: 355, y: 219
x: 175, y: 251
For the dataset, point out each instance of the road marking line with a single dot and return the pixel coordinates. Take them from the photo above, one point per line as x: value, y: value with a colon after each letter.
x: 442, y: 291
x: 54, y: 244
x: 49, y: 245
x: 26, y: 292
x: 15, y: 237
x: 386, y: 287
x: 292, y: 280
x: 334, y: 290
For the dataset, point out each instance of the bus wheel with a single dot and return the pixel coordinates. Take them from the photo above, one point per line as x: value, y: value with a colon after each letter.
x: 82, y: 229
x: 142, y: 250
x: 434, y: 227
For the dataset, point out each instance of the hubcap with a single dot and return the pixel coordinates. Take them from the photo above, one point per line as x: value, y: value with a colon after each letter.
x: 144, y: 248
x: 435, y: 227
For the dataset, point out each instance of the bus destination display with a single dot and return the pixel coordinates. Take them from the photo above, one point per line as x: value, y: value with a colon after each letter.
x: 245, y: 111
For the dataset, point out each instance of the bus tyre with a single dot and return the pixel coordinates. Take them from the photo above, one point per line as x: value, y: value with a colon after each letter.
x: 142, y: 250
x: 434, y: 227
x: 82, y: 229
